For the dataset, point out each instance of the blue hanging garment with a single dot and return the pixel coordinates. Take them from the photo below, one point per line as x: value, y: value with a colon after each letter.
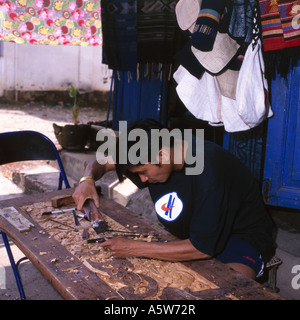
x: 119, y: 28
x: 138, y: 96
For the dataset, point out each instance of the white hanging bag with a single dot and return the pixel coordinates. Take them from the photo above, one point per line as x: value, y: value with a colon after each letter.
x: 252, y: 88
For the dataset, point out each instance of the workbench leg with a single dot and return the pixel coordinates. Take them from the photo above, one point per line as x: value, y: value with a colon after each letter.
x: 13, y: 265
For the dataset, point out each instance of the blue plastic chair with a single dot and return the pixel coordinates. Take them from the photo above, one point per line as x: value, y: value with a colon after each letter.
x: 22, y: 146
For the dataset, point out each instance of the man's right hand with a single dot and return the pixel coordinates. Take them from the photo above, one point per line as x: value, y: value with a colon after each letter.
x: 86, y: 190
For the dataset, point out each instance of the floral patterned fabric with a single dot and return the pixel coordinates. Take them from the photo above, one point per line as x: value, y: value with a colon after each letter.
x: 53, y: 22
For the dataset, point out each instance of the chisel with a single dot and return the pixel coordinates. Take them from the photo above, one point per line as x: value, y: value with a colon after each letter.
x: 57, y: 211
x: 77, y: 223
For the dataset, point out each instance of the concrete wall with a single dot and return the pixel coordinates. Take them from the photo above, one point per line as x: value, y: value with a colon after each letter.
x: 28, y: 67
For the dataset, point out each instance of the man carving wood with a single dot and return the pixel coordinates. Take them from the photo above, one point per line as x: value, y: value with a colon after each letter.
x: 217, y: 213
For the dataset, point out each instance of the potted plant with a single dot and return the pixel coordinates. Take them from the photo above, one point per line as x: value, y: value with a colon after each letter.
x: 73, y: 136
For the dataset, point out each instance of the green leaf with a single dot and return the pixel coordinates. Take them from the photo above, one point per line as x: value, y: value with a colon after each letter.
x: 72, y: 91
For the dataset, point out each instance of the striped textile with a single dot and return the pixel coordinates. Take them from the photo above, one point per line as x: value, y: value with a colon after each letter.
x: 157, y: 30
x: 280, y: 21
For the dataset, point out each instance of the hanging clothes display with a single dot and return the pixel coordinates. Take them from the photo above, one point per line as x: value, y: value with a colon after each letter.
x: 139, y: 41
x: 226, y: 86
x: 51, y: 22
x: 236, y: 98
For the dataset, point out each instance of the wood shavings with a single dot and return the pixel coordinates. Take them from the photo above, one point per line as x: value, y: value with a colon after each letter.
x: 72, y: 269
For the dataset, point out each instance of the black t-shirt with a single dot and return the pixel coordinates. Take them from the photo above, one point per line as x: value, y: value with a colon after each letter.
x: 223, y: 202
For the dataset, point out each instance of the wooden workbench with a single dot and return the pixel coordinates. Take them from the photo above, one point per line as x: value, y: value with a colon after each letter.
x: 77, y: 277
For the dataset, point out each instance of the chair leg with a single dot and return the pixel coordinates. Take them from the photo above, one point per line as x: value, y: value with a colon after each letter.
x: 14, y: 266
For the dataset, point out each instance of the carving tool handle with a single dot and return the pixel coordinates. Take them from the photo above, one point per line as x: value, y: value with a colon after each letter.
x: 94, y: 216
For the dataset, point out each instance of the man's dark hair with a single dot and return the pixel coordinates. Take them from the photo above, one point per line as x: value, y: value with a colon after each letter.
x: 147, y: 125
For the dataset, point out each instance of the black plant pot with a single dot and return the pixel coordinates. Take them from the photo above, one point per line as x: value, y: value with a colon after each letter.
x: 72, y: 137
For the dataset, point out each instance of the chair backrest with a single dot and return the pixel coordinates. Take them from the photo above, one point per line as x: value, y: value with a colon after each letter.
x: 30, y: 145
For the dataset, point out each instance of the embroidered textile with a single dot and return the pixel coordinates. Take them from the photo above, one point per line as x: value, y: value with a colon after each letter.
x: 280, y: 22
x: 157, y: 30
x: 54, y: 22
x: 207, y: 24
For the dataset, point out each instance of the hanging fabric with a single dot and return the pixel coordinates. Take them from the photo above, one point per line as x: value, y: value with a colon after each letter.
x: 51, y: 22
x: 281, y: 62
x: 214, y: 98
x: 141, y: 98
x: 248, y: 146
x: 241, y: 19
x: 119, y: 25
x: 156, y: 31
x: 280, y: 22
x: 139, y: 42
x: 138, y: 32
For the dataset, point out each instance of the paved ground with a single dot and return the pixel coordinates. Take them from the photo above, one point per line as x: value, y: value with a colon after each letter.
x: 40, y: 118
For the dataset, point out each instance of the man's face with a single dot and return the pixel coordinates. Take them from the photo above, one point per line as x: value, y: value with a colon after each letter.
x: 152, y: 172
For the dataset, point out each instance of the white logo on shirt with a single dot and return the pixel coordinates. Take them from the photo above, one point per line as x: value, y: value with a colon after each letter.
x: 169, y: 206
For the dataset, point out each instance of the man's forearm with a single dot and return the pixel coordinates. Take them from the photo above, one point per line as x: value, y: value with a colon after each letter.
x: 181, y: 250
x: 96, y: 170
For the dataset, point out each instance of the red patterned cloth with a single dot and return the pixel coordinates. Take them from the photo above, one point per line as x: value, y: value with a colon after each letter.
x: 280, y: 21
x: 54, y: 22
